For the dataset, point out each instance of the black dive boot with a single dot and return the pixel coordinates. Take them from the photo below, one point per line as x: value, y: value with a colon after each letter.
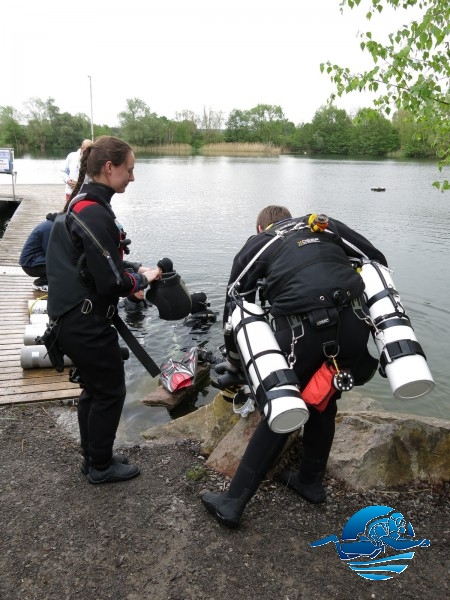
x: 84, y: 406
x: 318, y: 437
x: 307, y: 481
x: 116, y: 458
x: 226, y: 510
x: 262, y: 450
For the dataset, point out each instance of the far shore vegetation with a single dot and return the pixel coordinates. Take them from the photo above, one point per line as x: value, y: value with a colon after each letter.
x: 263, y: 130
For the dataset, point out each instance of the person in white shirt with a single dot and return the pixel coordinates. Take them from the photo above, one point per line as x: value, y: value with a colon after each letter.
x: 72, y: 167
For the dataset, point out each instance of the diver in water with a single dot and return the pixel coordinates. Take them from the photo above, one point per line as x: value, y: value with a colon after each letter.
x: 201, y: 316
x: 309, y: 283
x: 135, y: 302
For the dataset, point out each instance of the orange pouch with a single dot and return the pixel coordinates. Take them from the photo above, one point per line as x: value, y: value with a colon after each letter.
x: 320, y: 387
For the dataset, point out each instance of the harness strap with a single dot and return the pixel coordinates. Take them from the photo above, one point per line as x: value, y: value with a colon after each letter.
x: 105, y: 252
x: 141, y: 354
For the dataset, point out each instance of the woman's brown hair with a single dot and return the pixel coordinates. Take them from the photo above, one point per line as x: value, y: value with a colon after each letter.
x: 105, y: 148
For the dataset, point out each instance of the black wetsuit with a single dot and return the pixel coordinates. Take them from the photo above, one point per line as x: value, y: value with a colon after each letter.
x: 85, y: 284
x: 310, y: 273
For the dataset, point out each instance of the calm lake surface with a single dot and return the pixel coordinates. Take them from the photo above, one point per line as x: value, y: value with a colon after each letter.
x: 199, y: 211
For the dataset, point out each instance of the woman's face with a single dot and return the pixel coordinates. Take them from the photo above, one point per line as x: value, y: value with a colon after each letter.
x: 119, y: 177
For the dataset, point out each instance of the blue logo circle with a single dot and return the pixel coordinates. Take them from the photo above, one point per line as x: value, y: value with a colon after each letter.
x: 369, y: 533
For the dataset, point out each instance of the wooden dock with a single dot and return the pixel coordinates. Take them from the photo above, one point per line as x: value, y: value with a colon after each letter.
x: 19, y: 385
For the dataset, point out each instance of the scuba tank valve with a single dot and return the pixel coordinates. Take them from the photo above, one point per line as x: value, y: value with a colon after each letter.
x: 318, y: 222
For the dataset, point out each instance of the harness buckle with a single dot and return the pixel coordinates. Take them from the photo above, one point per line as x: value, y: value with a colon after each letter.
x: 331, y: 349
x: 86, y: 307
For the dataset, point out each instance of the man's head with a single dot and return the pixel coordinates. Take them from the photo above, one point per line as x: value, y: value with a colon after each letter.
x: 271, y: 214
x: 85, y: 144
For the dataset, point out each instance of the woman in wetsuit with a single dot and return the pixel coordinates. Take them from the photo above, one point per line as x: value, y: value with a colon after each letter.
x: 87, y: 275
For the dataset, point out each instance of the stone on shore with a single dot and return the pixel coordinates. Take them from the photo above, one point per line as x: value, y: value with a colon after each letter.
x: 207, y: 425
x: 384, y: 450
x: 371, y: 449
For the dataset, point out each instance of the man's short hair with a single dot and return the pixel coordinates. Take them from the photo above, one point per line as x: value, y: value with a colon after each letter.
x: 271, y: 214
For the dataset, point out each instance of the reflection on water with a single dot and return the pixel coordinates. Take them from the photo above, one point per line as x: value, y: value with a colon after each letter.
x: 199, y: 211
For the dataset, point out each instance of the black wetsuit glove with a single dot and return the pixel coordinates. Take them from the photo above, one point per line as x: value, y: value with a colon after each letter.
x: 230, y: 379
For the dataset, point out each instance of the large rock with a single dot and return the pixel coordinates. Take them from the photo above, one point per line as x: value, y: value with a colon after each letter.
x: 371, y: 449
x: 227, y: 455
x: 384, y: 450
x: 208, y: 425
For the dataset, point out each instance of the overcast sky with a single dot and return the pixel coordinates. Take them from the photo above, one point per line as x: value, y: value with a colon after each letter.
x: 181, y: 54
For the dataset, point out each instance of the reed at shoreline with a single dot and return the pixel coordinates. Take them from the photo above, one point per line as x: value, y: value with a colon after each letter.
x: 221, y: 149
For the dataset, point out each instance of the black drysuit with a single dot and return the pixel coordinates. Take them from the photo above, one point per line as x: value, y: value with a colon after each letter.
x: 304, y: 272
x: 87, y: 275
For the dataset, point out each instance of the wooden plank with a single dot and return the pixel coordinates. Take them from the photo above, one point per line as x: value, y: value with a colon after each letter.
x: 16, y: 372
x: 13, y: 339
x: 27, y: 382
x: 9, y: 363
x: 10, y: 348
x: 39, y: 397
x: 25, y: 385
x: 11, y: 360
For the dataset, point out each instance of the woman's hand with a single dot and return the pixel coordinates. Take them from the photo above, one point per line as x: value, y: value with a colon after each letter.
x: 151, y: 274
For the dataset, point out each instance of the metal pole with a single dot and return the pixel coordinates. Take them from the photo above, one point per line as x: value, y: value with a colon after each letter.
x: 92, y: 114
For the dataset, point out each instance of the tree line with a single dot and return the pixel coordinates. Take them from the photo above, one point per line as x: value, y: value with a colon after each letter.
x: 332, y: 130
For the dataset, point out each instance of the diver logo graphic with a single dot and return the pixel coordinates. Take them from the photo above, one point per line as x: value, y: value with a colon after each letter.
x: 367, y: 533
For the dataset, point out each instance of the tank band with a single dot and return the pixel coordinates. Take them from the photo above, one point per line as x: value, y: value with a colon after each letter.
x: 398, y: 349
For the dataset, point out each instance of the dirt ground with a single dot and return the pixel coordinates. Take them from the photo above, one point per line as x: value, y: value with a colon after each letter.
x: 62, y: 538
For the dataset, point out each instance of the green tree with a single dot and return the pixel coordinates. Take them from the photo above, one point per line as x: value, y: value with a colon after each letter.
x: 301, y: 139
x: 12, y: 132
x: 238, y: 127
x: 184, y: 132
x: 331, y: 131
x: 413, y: 135
x: 373, y: 134
x: 268, y: 124
x: 70, y: 130
x: 264, y: 123
x: 41, y: 116
x: 411, y: 71
x: 135, y: 122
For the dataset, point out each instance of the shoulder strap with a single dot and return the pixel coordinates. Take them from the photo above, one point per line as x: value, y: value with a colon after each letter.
x: 141, y: 354
x: 274, y: 233
x: 91, y: 234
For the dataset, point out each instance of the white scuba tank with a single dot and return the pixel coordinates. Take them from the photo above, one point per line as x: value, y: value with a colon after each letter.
x: 32, y: 332
x: 401, y: 356
x: 36, y: 318
x: 36, y: 357
x: 37, y: 306
x: 278, y: 398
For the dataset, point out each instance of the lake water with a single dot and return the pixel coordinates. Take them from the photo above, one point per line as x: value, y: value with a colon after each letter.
x: 199, y: 211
